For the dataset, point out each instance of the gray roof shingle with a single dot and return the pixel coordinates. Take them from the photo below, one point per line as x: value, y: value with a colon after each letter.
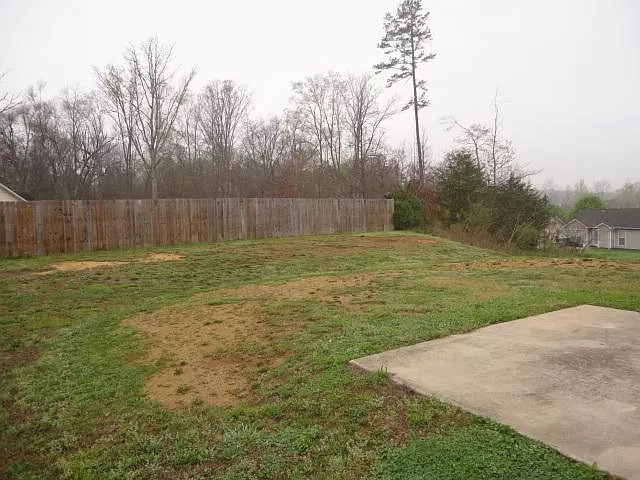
x: 614, y: 217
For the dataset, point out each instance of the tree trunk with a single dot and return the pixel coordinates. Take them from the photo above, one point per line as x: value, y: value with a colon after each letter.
x: 415, y: 112
x: 154, y: 185
x: 129, y: 168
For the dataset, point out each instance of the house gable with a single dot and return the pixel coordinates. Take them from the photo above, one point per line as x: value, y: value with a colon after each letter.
x: 602, y: 236
x: 575, y: 232
x: 574, y: 224
x: 8, y: 195
x: 603, y: 225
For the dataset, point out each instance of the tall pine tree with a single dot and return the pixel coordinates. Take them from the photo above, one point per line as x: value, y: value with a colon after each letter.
x: 406, y: 33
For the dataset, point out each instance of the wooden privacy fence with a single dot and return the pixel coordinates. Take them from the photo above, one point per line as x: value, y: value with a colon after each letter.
x: 40, y: 228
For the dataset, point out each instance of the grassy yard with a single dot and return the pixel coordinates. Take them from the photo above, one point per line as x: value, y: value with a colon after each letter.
x: 230, y: 360
x: 613, y: 254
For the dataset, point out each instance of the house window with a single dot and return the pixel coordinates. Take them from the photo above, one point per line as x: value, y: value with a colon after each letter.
x: 621, y: 239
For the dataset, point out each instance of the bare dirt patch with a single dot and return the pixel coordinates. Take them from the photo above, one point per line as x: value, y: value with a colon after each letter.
x: 472, y: 288
x: 199, y: 343
x: 366, y: 243
x: 544, y: 262
x: 162, y: 257
x: 214, y: 343
x: 319, y: 287
x: 77, y: 266
x: 339, y: 246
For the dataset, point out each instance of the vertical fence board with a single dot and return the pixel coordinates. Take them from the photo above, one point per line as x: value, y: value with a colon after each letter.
x: 4, y: 249
x: 194, y: 222
x: 67, y: 226
x: 4, y: 244
x: 96, y: 225
x: 78, y: 225
x: 212, y: 216
x: 128, y: 225
x: 54, y: 227
x: 147, y: 227
x: 9, y: 217
x: 25, y: 238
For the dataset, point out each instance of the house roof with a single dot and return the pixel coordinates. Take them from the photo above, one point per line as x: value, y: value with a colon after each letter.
x: 613, y: 217
x: 11, y: 193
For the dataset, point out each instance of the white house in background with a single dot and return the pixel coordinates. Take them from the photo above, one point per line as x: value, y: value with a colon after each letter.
x: 8, y: 195
x: 605, y: 228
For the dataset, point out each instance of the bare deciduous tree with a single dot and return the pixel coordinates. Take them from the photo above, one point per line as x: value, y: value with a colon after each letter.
x: 223, y: 106
x: 189, y: 133
x: 473, y: 139
x: 490, y: 150
x: 13, y: 168
x: 265, y: 144
x: 364, y: 116
x: 8, y: 101
x: 339, y: 118
x: 155, y: 101
x: 9, y: 157
x: 319, y: 100
x: 39, y: 123
x: 117, y: 86
x: 501, y: 153
x: 84, y: 141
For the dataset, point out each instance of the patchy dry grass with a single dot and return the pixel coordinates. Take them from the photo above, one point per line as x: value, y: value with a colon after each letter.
x: 210, y: 346
x: 584, y: 262
x: 230, y: 360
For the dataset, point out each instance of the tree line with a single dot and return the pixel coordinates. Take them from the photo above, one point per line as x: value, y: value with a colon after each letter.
x: 143, y: 132
x: 600, y: 194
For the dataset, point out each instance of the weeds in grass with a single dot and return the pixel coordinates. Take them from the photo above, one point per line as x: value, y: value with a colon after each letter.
x: 183, y: 389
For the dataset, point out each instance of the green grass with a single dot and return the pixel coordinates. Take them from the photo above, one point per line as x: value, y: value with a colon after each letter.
x: 617, y: 254
x: 71, y: 381
x: 613, y: 254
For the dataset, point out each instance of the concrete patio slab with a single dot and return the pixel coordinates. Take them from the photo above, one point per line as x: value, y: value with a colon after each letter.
x: 569, y: 378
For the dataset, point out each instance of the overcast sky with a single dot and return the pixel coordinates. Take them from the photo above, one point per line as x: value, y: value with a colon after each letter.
x: 567, y: 71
